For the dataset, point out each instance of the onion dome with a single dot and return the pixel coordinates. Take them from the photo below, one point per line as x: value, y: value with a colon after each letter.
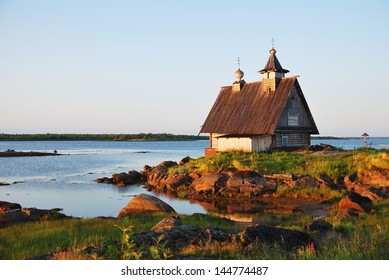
x: 239, y: 75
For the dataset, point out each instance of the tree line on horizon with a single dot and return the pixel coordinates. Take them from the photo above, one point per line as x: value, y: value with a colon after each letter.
x: 101, y: 137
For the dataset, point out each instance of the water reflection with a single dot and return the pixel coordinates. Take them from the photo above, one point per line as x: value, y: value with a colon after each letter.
x: 247, y: 211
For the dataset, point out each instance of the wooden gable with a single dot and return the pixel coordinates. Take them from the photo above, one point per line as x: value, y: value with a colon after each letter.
x: 296, y: 115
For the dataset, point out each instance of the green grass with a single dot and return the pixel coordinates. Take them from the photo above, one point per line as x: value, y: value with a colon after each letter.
x: 366, y: 237
x: 307, y: 164
x: 310, y: 193
x: 23, y: 241
x: 32, y: 239
x: 210, y: 221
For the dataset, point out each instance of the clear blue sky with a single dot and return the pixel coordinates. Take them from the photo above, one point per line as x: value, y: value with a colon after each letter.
x: 157, y: 66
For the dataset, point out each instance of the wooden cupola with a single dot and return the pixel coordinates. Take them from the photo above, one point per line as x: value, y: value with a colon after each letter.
x: 272, y: 73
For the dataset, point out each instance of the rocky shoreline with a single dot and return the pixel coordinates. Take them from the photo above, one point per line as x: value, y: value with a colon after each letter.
x: 249, y: 189
x: 233, y: 190
x: 13, y: 213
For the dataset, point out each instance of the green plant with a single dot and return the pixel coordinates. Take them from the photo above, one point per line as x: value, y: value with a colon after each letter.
x: 128, y: 250
x: 159, y: 251
x: 178, y: 169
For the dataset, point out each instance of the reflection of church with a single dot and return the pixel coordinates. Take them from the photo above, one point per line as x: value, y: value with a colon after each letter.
x: 266, y: 115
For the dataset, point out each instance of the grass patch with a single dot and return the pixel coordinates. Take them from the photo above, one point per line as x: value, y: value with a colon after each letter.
x: 338, y: 165
x: 206, y: 221
x: 366, y: 237
x: 33, y: 239
x: 310, y: 193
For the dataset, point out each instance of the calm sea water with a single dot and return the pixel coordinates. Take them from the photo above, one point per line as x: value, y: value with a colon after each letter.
x: 68, y: 181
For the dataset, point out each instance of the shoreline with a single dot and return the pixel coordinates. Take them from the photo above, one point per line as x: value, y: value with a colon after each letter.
x: 101, y: 137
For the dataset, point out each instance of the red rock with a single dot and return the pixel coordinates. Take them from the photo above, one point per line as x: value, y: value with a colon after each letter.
x: 144, y: 203
x: 374, y: 176
x: 175, y: 180
x: 354, y: 203
x: 371, y: 192
x: 210, y: 180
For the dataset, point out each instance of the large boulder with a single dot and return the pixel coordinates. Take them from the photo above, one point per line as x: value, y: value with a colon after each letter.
x: 177, y: 236
x: 145, y: 203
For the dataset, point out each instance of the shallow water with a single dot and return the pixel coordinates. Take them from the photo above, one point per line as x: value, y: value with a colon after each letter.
x: 68, y: 181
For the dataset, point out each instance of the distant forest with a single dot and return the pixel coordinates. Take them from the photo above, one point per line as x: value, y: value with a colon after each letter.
x: 100, y: 137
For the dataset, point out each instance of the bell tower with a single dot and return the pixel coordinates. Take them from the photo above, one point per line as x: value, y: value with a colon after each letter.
x: 273, y: 72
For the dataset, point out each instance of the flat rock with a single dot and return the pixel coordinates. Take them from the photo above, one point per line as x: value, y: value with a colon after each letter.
x: 374, y: 176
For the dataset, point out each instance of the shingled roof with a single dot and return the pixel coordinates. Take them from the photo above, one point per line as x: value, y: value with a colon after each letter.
x: 250, y: 111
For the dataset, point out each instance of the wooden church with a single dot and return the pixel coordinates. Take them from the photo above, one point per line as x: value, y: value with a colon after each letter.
x: 270, y: 114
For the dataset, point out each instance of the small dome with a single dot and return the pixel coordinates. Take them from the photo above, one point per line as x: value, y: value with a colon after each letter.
x: 239, y: 75
x: 272, y: 51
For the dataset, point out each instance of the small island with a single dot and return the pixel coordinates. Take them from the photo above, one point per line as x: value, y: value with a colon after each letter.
x: 13, y: 153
